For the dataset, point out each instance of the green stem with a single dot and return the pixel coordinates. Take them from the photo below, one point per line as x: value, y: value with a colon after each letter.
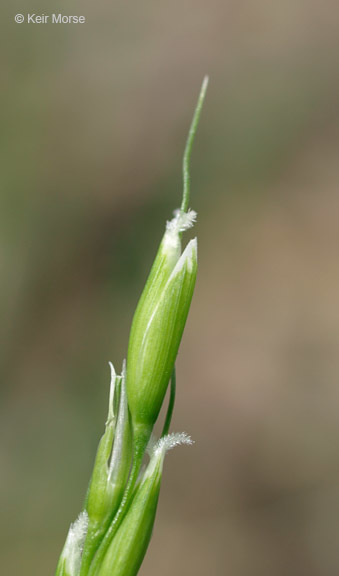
x: 170, y: 404
x: 189, y: 144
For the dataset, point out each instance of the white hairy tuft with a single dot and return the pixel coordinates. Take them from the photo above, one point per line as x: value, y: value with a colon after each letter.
x: 182, y: 221
x: 72, y: 551
x: 157, y: 451
x: 170, y: 441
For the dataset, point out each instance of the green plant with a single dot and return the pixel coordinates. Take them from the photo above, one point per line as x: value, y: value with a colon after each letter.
x: 111, y: 535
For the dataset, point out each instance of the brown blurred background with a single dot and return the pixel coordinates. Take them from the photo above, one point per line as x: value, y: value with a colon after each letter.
x: 94, y: 121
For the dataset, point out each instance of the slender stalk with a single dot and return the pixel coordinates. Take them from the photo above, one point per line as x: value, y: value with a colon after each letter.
x: 188, y: 147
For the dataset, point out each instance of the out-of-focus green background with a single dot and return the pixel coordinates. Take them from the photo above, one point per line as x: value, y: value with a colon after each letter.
x: 93, y: 125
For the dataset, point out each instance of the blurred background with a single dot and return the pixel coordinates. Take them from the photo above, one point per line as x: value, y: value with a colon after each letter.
x: 94, y: 119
